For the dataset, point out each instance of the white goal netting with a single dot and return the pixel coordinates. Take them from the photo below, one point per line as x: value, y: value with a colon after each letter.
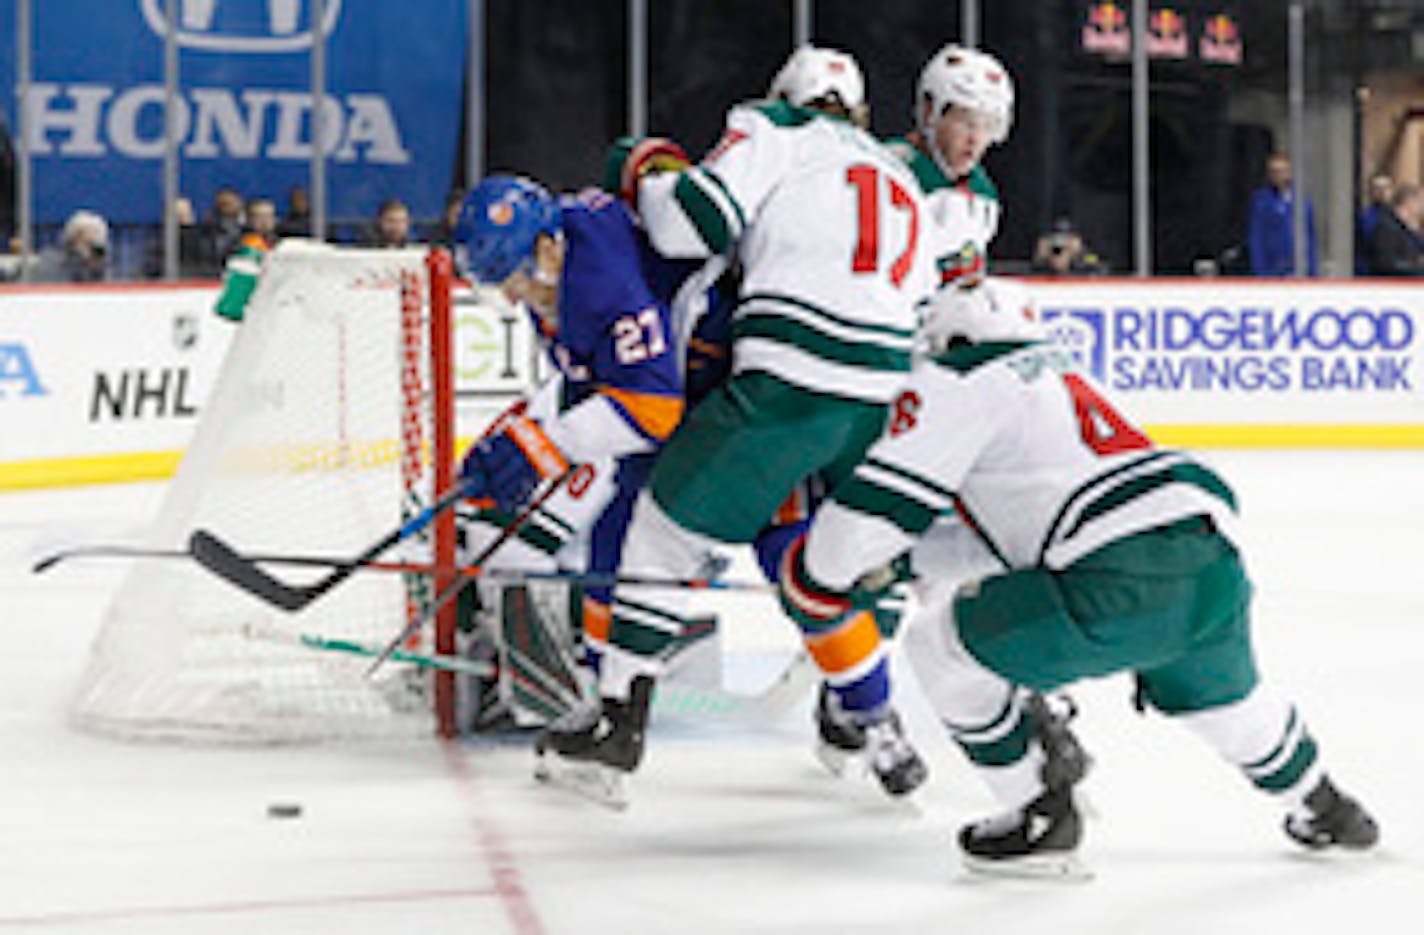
x: 317, y: 439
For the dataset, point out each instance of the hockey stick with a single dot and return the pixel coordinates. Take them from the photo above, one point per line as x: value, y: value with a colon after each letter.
x: 672, y: 697
x: 242, y: 570
x: 356, y: 648
x: 408, y: 568
x: 453, y: 589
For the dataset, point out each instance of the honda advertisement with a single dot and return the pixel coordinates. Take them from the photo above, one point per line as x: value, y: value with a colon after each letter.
x: 388, y: 122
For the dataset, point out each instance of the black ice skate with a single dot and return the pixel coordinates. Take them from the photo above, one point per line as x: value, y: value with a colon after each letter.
x: 592, y: 747
x: 894, y: 762
x: 1040, y: 839
x: 1331, y: 819
x: 840, y: 739
x: 881, y: 745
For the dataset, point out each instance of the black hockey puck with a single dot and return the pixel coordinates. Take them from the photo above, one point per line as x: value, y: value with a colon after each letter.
x: 284, y: 810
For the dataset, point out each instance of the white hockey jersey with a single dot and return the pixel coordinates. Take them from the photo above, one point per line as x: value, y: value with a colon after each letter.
x: 829, y: 229
x: 964, y: 215
x: 1037, y: 461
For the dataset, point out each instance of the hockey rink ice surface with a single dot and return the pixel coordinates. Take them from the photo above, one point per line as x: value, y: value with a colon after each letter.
x: 731, y: 829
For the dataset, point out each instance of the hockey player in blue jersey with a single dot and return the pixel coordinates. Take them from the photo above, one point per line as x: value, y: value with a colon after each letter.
x: 627, y: 331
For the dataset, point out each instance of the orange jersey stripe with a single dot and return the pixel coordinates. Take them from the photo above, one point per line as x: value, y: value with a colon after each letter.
x: 656, y: 415
x: 597, y: 620
x: 847, y: 645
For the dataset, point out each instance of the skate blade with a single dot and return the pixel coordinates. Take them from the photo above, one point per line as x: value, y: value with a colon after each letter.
x: 837, y: 762
x: 1064, y: 868
x: 595, y: 782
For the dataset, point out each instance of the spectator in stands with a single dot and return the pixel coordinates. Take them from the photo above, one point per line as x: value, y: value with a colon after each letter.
x: 192, y: 263
x: 244, y: 266
x: 261, y: 222
x: 297, y: 222
x: 1381, y: 191
x: 221, y: 230
x: 1062, y: 252
x: 392, y: 225
x: 1394, y: 248
x: 81, y: 254
x: 1270, y: 224
x: 445, y: 233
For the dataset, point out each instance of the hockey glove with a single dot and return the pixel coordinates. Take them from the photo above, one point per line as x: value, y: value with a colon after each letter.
x: 513, y: 461
x: 631, y: 158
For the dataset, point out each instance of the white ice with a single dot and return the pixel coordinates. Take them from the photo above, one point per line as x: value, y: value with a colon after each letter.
x: 731, y: 830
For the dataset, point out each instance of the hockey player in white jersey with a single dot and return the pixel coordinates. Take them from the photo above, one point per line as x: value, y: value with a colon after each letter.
x: 827, y: 227
x: 964, y: 102
x: 1114, y: 556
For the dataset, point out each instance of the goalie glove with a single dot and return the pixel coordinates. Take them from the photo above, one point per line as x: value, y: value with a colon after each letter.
x: 630, y: 158
x: 511, y: 460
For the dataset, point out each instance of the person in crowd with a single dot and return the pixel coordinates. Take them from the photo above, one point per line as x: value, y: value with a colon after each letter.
x: 392, y: 227
x: 191, y: 260
x: 221, y: 230
x: 1270, y: 224
x: 1381, y: 191
x: 81, y: 254
x: 1062, y: 252
x: 297, y: 221
x: 445, y: 233
x: 1394, y: 247
x: 244, y: 266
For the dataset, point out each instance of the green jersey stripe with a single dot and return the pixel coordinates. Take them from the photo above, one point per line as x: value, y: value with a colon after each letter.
x: 1082, y: 489
x: 911, y: 476
x: 1183, y: 473
x: 906, y: 335
x: 804, y: 337
x: 725, y: 193
x: 907, y: 513
x: 712, y: 224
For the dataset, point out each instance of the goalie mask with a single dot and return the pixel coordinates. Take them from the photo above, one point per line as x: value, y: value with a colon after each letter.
x: 813, y: 75
x: 996, y: 309
x: 499, y: 225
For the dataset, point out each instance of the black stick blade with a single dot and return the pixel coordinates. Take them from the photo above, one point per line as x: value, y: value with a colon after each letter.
x: 222, y: 560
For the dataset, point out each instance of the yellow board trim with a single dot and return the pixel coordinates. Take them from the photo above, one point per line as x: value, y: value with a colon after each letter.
x: 92, y: 469
x: 156, y: 465
x: 1288, y: 436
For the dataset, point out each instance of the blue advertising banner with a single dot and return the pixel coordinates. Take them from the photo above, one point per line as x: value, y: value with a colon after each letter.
x: 390, y: 117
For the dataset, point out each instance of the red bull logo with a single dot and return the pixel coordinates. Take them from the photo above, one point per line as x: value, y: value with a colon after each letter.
x: 1220, y: 42
x: 1166, y: 34
x: 1105, y: 30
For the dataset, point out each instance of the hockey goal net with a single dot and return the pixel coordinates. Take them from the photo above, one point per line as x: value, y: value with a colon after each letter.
x: 330, y: 423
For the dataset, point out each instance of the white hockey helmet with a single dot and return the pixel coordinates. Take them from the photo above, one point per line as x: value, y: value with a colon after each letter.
x: 996, y: 309
x: 971, y: 79
x: 813, y: 73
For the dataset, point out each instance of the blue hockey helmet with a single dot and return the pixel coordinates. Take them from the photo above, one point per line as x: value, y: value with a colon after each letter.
x: 499, y: 223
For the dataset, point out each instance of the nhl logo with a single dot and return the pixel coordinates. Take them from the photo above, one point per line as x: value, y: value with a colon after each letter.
x: 185, y: 331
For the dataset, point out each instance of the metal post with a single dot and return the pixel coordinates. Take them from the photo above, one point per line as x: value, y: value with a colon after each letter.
x: 475, y: 97
x: 801, y: 15
x: 1296, y: 40
x: 318, y: 121
x: 1141, y: 153
x: 170, y: 141
x: 969, y: 23
x: 24, y: 180
x: 637, y: 67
